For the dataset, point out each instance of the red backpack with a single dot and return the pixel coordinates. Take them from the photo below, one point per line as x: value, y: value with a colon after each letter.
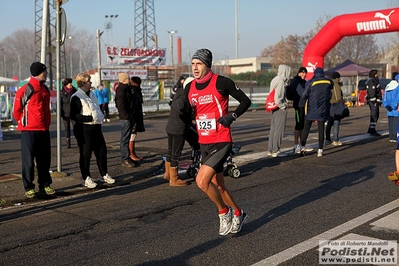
x: 270, y: 104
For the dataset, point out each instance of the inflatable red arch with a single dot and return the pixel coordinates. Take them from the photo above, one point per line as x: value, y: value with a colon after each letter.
x: 373, y: 22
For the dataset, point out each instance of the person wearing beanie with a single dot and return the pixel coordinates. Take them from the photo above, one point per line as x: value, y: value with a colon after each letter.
x: 374, y: 101
x: 178, y: 129
x: 123, y: 77
x: 66, y: 92
x: 86, y: 113
x: 176, y: 87
x: 37, y: 68
x: 124, y: 103
x: 337, y: 102
x: 32, y: 113
x: 208, y: 95
x: 297, y: 86
x: 390, y: 102
x: 138, y: 116
x: 317, y: 95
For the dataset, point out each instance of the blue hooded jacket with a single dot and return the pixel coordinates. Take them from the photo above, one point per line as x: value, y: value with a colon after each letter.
x: 391, y: 97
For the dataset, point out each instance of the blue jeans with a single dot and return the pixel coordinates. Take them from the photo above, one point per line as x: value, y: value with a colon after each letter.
x: 333, y: 122
x: 126, y: 130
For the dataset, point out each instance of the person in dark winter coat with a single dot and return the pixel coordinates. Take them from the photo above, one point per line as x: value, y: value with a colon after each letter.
x: 123, y: 101
x: 138, y: 116
x: 177, y: 128
x: 298, y: 87
x: 67, y: 91
x: 374, y: 100
x: 317, y: 108
x: 178, y: 86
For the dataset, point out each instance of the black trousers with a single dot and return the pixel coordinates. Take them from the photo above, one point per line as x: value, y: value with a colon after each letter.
x: 320, y: 129
x: 91, y: 140
x: 374, y: 115
x: 105, y: 109
x: 175, y: 147
x: 67, y: 126
x: 36, y: 145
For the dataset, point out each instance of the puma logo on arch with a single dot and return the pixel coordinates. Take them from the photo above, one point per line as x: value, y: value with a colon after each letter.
x: 386, y: 17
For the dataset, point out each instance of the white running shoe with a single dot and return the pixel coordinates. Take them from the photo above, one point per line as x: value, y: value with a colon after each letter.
x: 238, y: 222
x: 336, y: 143
x: 297, y: 148
x: 278, y: 154
x: 320, y: 153
x: 89, y: 183
x: 226, y: 222
x: 308, y: 149
x: 108, y: 179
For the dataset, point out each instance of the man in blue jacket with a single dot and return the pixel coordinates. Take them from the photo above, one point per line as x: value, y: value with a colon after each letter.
x: 318, y: 96
x: 390, y: 102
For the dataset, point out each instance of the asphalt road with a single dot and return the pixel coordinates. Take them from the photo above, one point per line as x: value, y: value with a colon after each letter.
x: 291, y: 201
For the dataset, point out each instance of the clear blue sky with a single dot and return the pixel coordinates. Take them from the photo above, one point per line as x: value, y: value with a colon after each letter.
x: 200, y: 23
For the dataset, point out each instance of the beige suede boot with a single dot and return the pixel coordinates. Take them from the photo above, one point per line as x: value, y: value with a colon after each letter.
x: 166, y: 175
x: 174, y: 180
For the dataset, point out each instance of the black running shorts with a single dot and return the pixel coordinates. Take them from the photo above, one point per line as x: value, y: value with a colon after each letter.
x: 214, y: 155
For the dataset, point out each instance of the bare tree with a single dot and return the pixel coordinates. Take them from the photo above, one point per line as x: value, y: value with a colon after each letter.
x: 80, y: 51
x: 361, y: 49
x: 17, y: 53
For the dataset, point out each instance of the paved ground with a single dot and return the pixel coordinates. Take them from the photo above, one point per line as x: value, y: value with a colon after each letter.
x: 69, y: 181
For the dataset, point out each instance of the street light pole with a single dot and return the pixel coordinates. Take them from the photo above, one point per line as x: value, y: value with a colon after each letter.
x: 108, y: 25
x: 70, y: 57
x: 171, y: 32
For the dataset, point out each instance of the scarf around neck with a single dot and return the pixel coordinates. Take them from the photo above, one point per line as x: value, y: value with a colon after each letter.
x: 205, y: 78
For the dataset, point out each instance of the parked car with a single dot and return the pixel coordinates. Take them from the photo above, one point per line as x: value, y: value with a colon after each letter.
x: 361, y: 89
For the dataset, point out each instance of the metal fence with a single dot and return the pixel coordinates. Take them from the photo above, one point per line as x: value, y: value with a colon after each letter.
x: 256, y: 94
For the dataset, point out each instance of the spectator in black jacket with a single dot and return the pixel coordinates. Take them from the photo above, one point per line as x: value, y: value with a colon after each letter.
x: 177, y: 128
x: 298, y: 87
x: 138, y: 117
x: 67, y: 91
x: 178, y: 86
x: 374, y: 100
x: 123, y: 100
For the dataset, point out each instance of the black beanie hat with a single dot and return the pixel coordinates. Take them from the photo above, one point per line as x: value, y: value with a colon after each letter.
x: 335, y: 75
x: 205, y: 56
x: 37, y: 68
x: 302, y: 70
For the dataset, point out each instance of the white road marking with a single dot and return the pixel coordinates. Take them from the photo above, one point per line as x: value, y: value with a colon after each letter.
x: 313, y: 242
x: 260, y: 155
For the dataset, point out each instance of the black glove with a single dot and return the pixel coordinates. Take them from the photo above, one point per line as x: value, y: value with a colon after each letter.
x: 227, y: 119
x: 389, y: 108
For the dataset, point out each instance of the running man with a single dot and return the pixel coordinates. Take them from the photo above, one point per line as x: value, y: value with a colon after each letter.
x: 208, y: 95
